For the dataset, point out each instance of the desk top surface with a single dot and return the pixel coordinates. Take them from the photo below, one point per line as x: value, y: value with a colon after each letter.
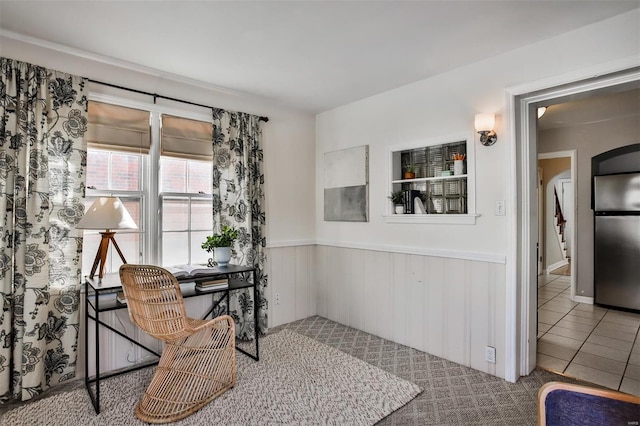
x: 112, y: 282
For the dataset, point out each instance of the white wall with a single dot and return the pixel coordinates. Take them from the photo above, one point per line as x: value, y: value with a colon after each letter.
x: 444, y: 105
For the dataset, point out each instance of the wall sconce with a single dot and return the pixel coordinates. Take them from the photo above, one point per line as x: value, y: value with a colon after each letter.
x: 484, y: 125
x: 541, y: 111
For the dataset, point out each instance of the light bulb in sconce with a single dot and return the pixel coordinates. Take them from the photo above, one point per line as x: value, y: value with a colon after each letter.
x: 541, y: 111
x: 484, y: 125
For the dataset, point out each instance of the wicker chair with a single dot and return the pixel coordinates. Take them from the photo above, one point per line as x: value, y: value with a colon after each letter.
x: 198, y: 360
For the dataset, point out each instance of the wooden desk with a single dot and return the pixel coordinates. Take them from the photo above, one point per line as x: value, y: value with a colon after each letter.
x: 110, y: 284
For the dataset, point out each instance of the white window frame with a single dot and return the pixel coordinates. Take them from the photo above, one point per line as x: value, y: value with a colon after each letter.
x: 141, y: 194
x: 151, y: 207
x: 189, y: 197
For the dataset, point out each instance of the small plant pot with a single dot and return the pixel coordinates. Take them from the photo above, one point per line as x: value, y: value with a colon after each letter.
x: 222, y: 256
x: 409, y: 175
x: 399, y: 209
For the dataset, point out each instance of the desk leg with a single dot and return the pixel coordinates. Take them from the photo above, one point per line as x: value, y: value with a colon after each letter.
x: 86, y: 335
x: 97, y: 406
x: 255, y: 313
x: 228, y: 301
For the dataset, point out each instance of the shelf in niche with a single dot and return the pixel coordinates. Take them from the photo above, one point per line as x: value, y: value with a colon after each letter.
x: 427, y: 179
x: 459, y: 219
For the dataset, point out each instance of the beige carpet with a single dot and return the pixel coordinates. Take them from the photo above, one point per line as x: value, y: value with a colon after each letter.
x: 298, y: 381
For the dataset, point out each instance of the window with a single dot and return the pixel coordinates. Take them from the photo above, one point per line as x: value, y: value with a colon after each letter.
x: 186, y: 222
x: 118, y: 141
x: 164, y: 181
x: 185, y: 189
x: 115, y: 173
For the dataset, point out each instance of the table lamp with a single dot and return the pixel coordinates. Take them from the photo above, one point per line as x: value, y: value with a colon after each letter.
x: 106, y: 213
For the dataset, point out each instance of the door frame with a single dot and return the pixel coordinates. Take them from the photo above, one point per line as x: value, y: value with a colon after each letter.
x: 521, y: 286
x: 572, y: 154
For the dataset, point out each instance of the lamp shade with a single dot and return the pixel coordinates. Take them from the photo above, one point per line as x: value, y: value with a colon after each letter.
x: 485, y: 122
x: 107, y: 213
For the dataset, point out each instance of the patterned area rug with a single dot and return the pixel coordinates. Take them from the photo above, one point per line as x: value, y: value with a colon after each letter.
x: 298, y: 381
x: 453, y: 394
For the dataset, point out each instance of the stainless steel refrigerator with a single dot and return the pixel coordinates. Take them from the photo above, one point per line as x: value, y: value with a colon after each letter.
x: 617, y: 240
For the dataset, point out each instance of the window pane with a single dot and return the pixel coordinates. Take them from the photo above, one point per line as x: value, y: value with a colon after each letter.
x: 202, y: 215
x: 198, y: 255
x: 175, y: 214
x: 129, y: 243
x: 97, y: 169
x: 175, y: 248
x: 90, y: 245
x: 125, y: 172
x: 173, y: 175
x: 134, y: 208
x: 199, y: 177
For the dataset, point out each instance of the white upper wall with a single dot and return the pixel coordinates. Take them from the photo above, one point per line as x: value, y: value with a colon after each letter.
x: 445, y: 105
x: 288, y: 136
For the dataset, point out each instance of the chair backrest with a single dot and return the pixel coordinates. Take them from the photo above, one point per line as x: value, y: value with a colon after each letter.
x: 154, y: 300
x: 565, y: 404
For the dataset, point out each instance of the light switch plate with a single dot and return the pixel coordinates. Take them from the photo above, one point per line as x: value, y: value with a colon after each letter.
x: 500, y: 208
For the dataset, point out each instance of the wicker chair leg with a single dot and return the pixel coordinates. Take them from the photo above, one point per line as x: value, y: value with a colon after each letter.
x: 191, y: 373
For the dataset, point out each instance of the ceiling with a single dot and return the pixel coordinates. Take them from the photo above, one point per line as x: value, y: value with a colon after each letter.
x: 309, y: 55
x: 594, y: 107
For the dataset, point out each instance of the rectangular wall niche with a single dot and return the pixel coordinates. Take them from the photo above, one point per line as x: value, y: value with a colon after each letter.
x: 346, y: 185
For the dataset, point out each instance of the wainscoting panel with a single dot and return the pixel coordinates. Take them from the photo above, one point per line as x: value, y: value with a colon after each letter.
x: 452, y: 308
x: 116, y: 352
x: 448, y: 307
x: 292, y: 276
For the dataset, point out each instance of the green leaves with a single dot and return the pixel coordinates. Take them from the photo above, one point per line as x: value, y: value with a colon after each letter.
x: 224, y: 239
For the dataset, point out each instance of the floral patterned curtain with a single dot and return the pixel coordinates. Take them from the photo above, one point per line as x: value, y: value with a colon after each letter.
x: 42, y: 185
x: 238, y: 201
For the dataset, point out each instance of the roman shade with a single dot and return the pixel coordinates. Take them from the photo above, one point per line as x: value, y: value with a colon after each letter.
x: 118, y: 127
x: 185, y: 138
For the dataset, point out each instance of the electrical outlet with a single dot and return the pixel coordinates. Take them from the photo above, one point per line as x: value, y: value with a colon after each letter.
x: 500, y: 208
x: 277, y: 297
x: 490, y: 354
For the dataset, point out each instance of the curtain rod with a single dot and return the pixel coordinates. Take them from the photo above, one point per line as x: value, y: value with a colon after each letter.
x: 155, y: 96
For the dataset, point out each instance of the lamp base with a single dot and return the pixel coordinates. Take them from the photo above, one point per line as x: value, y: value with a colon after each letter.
x: 101, y: 255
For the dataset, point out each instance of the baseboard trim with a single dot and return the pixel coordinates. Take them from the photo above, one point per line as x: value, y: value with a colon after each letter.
x: 583, y: 299
x: 557, y: 265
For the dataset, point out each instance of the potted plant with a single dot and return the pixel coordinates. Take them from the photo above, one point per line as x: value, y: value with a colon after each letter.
x: 220, y: 245
x: 397, y: 198
x: 410, y: 172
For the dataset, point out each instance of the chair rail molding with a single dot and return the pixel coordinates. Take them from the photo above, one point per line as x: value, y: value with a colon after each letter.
x: 424, y: 251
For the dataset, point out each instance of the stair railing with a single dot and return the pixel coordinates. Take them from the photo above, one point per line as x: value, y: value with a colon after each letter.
x: 560, y: 220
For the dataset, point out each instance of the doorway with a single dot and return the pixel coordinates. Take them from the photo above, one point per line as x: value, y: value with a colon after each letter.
x: 522, y: 277
x: 556, y: 214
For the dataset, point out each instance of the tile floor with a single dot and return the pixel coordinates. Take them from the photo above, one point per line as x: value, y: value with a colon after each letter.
x: 585, y: 341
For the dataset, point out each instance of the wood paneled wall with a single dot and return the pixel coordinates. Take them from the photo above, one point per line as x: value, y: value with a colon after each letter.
x: 451, y: 308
